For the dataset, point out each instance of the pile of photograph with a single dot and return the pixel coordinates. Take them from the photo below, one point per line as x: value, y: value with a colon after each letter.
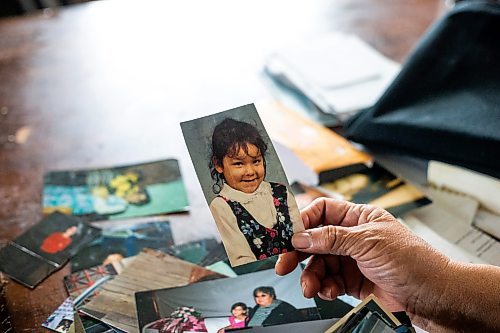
x: 113, y: 226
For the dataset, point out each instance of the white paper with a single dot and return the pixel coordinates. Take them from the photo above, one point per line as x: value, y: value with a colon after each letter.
x: 488, y: 222
x: 340, y: 73
x: 458, y: 232
x: 484, y: 188
x: 462, y: 207
x: 437, y: 241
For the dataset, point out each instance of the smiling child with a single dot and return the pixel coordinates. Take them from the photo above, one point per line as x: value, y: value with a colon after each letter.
x: 256, y: 219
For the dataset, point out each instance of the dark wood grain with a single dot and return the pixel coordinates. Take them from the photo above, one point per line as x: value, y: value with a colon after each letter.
x: 105, y: 83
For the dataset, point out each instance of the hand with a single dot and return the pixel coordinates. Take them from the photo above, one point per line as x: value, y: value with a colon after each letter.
x: 359, y: 250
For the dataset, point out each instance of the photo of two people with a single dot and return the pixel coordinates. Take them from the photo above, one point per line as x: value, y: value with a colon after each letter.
x: 244, y: 184
x: 257, y: 299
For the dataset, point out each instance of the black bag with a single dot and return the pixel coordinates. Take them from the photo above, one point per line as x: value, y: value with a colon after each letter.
x: 445, y: 103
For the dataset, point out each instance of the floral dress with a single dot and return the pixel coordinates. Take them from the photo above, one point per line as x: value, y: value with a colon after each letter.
x: 266, y: 242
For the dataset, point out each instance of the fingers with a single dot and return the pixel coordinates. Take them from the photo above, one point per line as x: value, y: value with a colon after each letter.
x: 331, y: 288
x: 329, y: 239
x: 288, y: 261
x: 351, y: 276
x: 321, y: 277
x: 327, y: 211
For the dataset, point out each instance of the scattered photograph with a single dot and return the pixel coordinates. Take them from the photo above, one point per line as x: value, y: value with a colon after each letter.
x: 368, y: 316
x: 305, y: 194
x: 79, y: 282
x: 61, y: 319
x: 117, y: 243
x: 44, y: 248
x: 194, y: 252
x: 83, y: 286
x: 116, y: 193
x: 244, y: 184
x: 374, y: 185
x: 256, y: 299
x: 306, y: 326
x: 151, y: 269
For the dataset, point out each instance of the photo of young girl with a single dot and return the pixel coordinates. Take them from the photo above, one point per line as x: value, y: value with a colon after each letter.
x: 256, y: 214
x: 238, y: 318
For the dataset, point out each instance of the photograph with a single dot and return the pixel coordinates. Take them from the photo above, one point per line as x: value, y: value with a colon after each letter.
x: 305, y: 326
x: 57, y: 238
x: 194, y: 252
x: 116, y: 193
x: 62, y: 318
x: 79, y: 282
x: 373, y: 185
x: 117, y: 243
x: 44, y: 248
x: 370, y: 315
x: 244, y: 184
x: 150, y: 269
x: 84, y: 285
x: 256, y: 299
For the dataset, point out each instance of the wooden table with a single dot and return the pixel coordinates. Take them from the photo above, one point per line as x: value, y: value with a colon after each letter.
x: 107, y: 83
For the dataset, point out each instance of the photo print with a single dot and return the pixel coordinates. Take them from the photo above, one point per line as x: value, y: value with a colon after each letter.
x: 244, y: 184
x: 116, y: 193
x: 256, y: 299
x: 45, y: 247
x: 61, y: 319
x: 117, y: 243
x: 373, y: 185
x: 150, y: 269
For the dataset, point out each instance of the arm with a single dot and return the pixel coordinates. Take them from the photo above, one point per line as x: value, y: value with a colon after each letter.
x: 236, y: 245
x: 362, y: 249
x: 466, y: 298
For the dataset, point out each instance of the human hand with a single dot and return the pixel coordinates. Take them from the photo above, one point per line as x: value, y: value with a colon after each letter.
x: 359, y: 250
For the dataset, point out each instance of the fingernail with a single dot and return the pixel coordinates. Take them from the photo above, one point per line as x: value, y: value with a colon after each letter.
x: 304, y: 285
x: 302, y: 240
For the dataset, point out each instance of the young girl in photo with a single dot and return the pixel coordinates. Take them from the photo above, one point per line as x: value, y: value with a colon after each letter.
x: 256, y: 219
x: 238, y: 318
x: 238, y: 315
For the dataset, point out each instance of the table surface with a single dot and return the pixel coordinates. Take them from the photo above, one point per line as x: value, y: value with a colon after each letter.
x: 106, y: 83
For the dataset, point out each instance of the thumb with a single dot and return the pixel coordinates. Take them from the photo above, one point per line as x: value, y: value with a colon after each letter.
x: 329, y: 239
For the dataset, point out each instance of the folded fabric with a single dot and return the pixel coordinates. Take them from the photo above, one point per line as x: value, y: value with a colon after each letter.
x: 445, y: 104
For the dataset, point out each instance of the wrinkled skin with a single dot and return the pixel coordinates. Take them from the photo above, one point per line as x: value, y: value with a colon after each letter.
x: 360, y: 249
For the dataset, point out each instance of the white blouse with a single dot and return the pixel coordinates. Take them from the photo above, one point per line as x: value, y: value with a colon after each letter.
x: 260, y: 205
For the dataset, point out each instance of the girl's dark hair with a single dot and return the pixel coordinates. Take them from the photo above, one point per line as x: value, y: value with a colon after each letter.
x: 243, y: 306
x: 265, y: 290
x: 228, y: 138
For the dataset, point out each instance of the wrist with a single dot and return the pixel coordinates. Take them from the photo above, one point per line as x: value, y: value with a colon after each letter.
x: 466, y: 298
x: 428, y: 302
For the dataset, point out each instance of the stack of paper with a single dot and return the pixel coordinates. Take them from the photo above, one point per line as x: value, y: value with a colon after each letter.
x: 463, y: 221
x: 339, y: 73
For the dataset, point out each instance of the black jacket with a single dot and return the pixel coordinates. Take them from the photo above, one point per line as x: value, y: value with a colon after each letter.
x: 282, y: 314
